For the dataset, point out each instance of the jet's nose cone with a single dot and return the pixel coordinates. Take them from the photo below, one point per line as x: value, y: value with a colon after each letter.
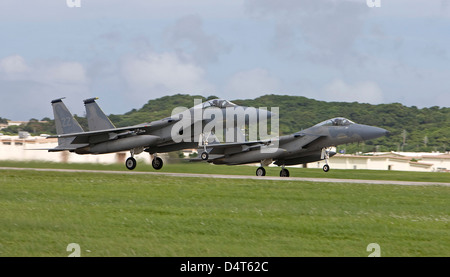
x: 371, y: 132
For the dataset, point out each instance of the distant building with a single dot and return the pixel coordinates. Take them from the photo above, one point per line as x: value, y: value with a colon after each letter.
x: 15, y: 148
x: 22, y: 149
x: 402, y: 161
x: 16, y: 123
x: 189, y: 152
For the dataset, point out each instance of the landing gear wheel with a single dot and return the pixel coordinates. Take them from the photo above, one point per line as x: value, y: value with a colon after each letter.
x: 326, y: 168
x: 130, y: 163
x: 284, y: 173
x: 204, y: 156
x: 261, y: 171
x: 157, y: 163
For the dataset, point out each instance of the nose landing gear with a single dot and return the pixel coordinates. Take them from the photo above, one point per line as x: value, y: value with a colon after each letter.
x: 325, y: 155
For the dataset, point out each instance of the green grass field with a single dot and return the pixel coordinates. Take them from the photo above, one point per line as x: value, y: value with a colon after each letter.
x: 141, y: 215
x: 205, y: 168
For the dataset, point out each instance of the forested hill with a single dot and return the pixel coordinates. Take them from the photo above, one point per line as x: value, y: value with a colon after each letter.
x: 411, y: 128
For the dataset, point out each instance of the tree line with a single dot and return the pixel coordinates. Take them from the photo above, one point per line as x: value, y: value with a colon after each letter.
x: 411, y: 129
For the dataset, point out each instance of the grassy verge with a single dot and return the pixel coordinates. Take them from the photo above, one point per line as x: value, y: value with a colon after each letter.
x: 122, y: 215
x: 205, y: 168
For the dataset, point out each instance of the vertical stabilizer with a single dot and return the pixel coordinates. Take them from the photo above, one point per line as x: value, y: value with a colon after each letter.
x: 64, y: 121
x: 97, y: 119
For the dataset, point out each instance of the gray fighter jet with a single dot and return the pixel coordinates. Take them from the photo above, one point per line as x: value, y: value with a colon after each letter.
x: 159, y: 136
x: 306, y: 146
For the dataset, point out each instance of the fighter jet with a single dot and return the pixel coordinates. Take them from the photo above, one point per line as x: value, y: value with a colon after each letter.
x: 164, y: 135
x: 305, y: 146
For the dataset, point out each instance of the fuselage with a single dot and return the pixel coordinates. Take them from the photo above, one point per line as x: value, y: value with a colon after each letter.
x: 307, y: 145
x: 180, y: 131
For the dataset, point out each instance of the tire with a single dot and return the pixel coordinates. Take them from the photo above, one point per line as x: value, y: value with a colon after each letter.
x: 284, y: 173
x: 130, y: 163
x: 326, y: 168
x: 157, y: 163
x: 261, y: 171
x: 204, y: 156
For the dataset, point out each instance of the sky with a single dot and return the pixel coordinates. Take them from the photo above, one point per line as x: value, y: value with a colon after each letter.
x: 128, y: 52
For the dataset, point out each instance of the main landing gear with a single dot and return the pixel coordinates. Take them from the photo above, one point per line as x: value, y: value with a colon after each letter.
x: 262, y: 172
x: 157, y: 163
x: 284, y: 172
x: 130, y: 163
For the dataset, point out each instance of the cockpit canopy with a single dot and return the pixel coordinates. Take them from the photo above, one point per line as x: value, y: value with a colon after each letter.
x: 219, y: 103
x: 337, y: 121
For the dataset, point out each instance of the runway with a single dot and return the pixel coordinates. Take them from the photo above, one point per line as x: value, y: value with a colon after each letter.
x: 221, y: 176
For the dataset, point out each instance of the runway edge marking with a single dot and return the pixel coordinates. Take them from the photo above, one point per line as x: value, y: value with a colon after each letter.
x: 221, y: 176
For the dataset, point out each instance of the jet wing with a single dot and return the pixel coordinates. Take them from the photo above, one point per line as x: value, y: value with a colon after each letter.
x: 69, y: 147
x: 308, y: 140
x: 97, y: 136
x: 234, y: 147
x: 82, y: 139
x: 99, y: 132
x: 301, y: 140
x: 232, y: 144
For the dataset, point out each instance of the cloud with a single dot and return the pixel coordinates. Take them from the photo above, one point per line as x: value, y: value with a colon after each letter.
x: 187, y: 36
x: 63, y: 73
x: 154, y: 74
x: 251, y: 83
x: 27, y: 88
x: 16, y: 68
x: 12, y: 66
x: 323, y: 31
x: 362, y: 92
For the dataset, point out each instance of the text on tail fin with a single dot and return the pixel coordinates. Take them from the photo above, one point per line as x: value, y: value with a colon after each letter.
x: 64, y: 121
